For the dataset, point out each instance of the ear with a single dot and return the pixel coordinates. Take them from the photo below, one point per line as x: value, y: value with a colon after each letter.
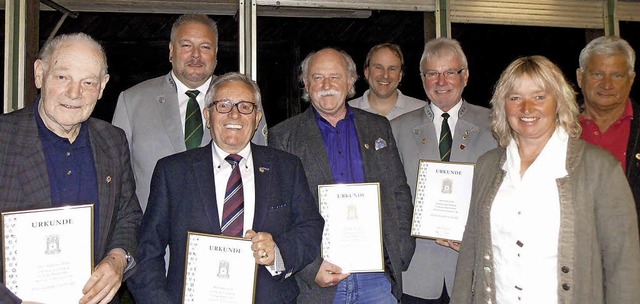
x: 366, y: 73
x: 103, y: 84
x: 38, y: 73
x: 466, y: 76
x: 579, y: 77
x: 171, y: 51
x: 258, y: 118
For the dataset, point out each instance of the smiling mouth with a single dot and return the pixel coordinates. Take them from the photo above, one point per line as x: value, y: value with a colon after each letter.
x: 384, y: 82
x: 529, y: 119
x: 233, y: 126
x: 69, y: 106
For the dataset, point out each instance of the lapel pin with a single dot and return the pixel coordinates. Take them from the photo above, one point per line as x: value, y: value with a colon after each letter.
x: 416, y: 131
x: 108, y: 179
x: 380, y: 143
x: 366, y: 146
x: 424, y: 141
x: 161, y: 99
x: 462, y: 147
x: 637, y: 155
x: 263, y: 169
x: 466, y: 134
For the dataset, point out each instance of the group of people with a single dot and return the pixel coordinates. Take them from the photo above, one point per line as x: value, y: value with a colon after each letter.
x: 553, y: 219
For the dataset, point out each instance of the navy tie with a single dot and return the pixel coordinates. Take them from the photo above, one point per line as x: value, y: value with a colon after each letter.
x: 233, y: 211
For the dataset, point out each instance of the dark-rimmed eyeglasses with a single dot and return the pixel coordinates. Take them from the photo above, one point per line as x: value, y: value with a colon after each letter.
x: 226, y: 106
x: 449, y: 74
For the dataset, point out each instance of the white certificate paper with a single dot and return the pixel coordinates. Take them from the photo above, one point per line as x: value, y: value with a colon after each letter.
x: 352, y: 237
x: 443, y: 195
x: 48, y: 253
x: 219, y: 269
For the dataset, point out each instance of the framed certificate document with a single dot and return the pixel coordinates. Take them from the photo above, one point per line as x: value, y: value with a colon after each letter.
x: 48, y: 253
x: 352, y: 237
x: 219, y: 269
x: 443, y: 195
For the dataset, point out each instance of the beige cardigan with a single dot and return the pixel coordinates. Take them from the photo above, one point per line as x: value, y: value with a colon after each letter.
x: 598, y: 250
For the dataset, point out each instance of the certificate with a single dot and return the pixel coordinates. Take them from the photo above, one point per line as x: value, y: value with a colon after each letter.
x: 352, y: 236
x: 443, y: 195
x: 48, y: 253
x: 219, y: 269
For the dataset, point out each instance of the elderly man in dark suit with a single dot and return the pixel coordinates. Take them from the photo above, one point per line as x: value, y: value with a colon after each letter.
x: 340, y: 144
x: 53, y: 154
x: 279, y: 213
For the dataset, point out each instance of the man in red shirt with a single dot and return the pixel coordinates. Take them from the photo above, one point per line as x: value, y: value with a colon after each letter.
x: 609, y: 118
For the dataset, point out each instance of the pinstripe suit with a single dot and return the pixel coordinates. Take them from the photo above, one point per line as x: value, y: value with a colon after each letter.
x: 24, y: 182
x: 301, y: 136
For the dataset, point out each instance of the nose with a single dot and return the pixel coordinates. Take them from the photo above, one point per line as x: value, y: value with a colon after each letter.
x: 326, y: 83
x: 74, y: 90
x: 607, y: 82
x: 235, y: 113
x: 442, y: 80
x: 195, y: 53
x: 527, y: 106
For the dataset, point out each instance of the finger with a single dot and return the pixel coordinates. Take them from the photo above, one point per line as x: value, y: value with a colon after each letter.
x: 249, y: 234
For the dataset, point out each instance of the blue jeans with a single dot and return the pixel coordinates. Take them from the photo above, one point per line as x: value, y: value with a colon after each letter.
x: 367, y: 288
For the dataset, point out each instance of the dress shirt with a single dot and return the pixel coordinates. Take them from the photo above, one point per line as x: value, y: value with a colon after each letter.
x: 525, y: 225
x: 452, y: 120
x: 183, y: 99
x: 342, y: 147
x: 222, y: 170
x: 71, y: 169
x: 404, y: 104
x: 615, y: 139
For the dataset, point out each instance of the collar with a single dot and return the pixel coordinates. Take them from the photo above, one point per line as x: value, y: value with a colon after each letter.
x: 350, y: 115
x: 182, y: 88
x: 219, y: 155
x: 45, y: 134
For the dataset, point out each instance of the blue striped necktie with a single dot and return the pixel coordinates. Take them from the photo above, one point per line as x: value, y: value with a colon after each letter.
x: 233, y: 211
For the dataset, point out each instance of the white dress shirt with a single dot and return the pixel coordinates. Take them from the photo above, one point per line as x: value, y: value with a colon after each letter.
x: 452, y: 121
x: 525, y: 225
x: 183, y: 99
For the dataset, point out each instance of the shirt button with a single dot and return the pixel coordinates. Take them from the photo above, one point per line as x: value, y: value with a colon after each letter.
x: 69, y: 172
x: 487, y: 269
x: 596, y: 133
x: 565, y: 286
x: 565, y: 269
x: 488, y: 289
x: 487, y: 257
x: 68, y: 154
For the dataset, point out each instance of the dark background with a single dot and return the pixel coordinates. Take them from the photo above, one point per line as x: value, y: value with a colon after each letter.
x: 137, y: 49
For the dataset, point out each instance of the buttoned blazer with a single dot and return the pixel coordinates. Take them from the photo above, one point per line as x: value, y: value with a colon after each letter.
x: 301, y: 136
x: 415, y: 133
x: 149, y: 114
x: 24, y: 182
x: 183, y: 198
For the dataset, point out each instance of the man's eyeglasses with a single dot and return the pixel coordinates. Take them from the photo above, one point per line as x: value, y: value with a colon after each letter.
x: 226, y: 106
x: 448, y: 74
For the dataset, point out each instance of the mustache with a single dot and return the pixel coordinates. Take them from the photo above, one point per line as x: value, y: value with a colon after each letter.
x: 330, y: 92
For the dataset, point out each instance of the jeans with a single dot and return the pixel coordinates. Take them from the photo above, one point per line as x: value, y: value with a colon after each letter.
x: 365, y: 288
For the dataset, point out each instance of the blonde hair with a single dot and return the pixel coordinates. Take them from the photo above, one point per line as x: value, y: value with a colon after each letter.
x: 547, y: 76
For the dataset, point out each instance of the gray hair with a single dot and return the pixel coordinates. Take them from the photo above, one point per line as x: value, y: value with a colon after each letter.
x: 608, y: 46
x: 193, y: 18
x: 52, y: 46
x: 348, y: 61
x: 233, y: 76
x: 548, y: 77
x: 440, y: 47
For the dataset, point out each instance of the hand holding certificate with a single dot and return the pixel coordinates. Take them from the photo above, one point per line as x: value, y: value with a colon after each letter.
x: 443, y: 195
x: 352, y: 237
x: 48, y: 253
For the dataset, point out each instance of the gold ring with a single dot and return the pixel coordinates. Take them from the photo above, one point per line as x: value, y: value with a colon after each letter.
x: 264, y: 255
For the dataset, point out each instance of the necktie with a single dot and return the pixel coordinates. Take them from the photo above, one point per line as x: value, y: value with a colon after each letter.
x: 445, y: 139
x: 233, y: 211
x: 192, y: 122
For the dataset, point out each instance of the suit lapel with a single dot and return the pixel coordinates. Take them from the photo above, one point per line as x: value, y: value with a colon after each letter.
x: 202, y: 167
x: 28, y: 140
x: 103, y: 159
x: 313, y: 144
x: 464, y: 133
x: 169, y: 110
x: 262, y: 179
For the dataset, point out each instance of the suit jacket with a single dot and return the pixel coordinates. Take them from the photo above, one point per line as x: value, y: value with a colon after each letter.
x: 150, y: 116
x: 24, y: 182
x: 633, y: 156
x: 415, y: 133
x: 183, y: 199
x: 301, y: 136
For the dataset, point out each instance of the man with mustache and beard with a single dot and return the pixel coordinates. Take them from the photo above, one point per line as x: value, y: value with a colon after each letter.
x: 163, y: 115
x: 383, y: 69
x: 341, y: 144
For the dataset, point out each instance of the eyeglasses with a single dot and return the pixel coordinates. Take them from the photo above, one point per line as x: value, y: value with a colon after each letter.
x: 226, y: 106
x: 448, y: 74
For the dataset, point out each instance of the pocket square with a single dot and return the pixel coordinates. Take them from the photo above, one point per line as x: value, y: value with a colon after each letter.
x: 380, y: 143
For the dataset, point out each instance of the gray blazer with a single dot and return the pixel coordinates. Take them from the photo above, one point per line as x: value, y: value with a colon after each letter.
x: 150, y: 117
x: 416, y: 136
x: 24, y: 182
x: 301, y: 136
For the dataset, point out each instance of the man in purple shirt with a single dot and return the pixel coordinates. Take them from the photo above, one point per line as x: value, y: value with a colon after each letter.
x: 340, y: 144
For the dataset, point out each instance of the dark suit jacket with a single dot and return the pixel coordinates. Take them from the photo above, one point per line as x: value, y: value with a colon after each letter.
x: 183, y: 198
x: 301, y: 136
x: 24, y: 182
x: 633, y: 156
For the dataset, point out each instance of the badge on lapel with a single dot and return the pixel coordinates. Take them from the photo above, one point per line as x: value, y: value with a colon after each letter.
x: 380, y: 143
x: 263, y: 169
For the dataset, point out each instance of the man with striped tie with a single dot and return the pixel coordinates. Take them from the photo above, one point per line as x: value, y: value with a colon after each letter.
x: 230, y: 187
